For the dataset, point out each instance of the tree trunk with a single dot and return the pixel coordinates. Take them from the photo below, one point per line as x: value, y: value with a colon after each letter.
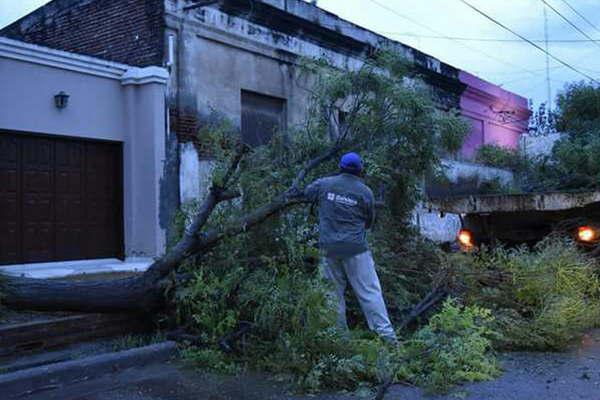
x: 121, y: 295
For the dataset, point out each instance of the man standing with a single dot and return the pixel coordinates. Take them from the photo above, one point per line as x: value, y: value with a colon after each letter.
x: 346, y: 211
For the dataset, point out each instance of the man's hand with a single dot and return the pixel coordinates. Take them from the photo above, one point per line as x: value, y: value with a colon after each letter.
x: 294, y: 193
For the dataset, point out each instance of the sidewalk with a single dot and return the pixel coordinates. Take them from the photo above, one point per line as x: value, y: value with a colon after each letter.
x: 69, y: 268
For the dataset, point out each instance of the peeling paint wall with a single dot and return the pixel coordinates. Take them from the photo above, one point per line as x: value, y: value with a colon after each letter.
x: 535, y: 146
x: 194, y: 175
x: 463, y: 178
x: 440, y: 228
x: 221, y: 51
x: 497, y: 116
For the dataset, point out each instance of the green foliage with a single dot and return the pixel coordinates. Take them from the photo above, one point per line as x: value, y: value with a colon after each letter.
x: 211, y: 360
x: 575, y: 161
x: 454, y: 347
x: 453, y: 130
x: 572, y: 164
x: 542, y: 298
x: 294, y: 333
x: 205, y: 300
x: 501, y: 157
x: 293, y: 325
x: 268, y: 276
x: 579, y: 109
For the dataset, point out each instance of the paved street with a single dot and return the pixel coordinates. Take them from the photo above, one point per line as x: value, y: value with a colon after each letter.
x: 569, y: 376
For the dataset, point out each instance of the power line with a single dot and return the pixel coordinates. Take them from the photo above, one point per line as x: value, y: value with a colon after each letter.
x: 580, y: 15
x: 417, y: 23
x: 568, y: 21
x: 495, y: 40
x: 495, y: 21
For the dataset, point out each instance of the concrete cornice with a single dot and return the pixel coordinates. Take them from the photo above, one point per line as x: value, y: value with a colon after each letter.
x: 142, y: 76
x: 21, y: 51
x: 128, y: 75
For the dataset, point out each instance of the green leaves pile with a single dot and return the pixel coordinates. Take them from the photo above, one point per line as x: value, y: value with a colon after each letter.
x: 543, y: 299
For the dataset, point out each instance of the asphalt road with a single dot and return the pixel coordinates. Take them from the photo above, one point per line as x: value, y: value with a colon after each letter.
x: 573, y: 375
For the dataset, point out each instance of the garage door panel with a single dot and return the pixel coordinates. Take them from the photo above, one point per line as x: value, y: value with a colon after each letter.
x: 38, y: 242
x: 69, y: 182
x: 70, y: 243
x: 59, y: 199
x: 9, y: 178
x: 8, y: 149
x: 9, y: 244
x: 9, y: 199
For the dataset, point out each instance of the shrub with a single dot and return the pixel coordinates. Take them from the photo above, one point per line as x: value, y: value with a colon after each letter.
x: 211, y: 360
x: 501, y: 157
x: 542, y: 298
x: 453, y: 131
x: 454, y: 347
x: 294, y: 335
x: 578, y: 108
x: 293, y: 327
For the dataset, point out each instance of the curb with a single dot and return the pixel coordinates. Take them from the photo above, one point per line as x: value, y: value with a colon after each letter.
x: 54, y: 376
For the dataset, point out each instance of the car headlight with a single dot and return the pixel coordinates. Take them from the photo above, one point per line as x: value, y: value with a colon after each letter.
x: 465, y: 238
x: 587, y: 234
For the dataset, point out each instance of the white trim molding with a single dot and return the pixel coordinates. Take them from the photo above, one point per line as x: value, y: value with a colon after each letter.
x: 27, y: 52
x: 142, y: 76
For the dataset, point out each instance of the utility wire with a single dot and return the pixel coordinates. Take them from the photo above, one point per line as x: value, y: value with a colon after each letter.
x: 495, y: 21
x: 580, y: 15
x: 495, y: 40
x: 568, y: 21
x: 415, y: 22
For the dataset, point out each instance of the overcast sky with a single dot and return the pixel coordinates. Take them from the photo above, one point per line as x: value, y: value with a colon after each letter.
x: 515, y: 65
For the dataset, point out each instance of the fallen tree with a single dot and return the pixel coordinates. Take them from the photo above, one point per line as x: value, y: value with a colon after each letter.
x: 395, y: 125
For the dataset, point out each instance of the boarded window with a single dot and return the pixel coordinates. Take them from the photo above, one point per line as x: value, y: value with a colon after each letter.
x: 261, y: 116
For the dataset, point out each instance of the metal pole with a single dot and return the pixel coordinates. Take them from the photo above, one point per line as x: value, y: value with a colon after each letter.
x: 549, y: 100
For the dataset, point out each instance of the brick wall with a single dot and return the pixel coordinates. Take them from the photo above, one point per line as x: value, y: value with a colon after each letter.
x: 185, y: 124
x: 127, y: 31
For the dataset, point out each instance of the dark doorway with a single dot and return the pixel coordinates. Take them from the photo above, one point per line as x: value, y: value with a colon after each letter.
x: 60, y: 199
x: 261, y: 116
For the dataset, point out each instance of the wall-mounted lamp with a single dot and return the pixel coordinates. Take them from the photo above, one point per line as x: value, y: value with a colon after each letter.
x: 61, y: 99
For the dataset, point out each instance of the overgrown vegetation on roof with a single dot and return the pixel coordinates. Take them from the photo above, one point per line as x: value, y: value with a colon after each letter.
x: 573, y: 161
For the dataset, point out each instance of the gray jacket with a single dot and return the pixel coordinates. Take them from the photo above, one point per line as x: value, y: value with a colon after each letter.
x: 346, y: 211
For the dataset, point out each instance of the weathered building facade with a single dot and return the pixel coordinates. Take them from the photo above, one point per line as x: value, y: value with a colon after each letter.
x: 240, y: 58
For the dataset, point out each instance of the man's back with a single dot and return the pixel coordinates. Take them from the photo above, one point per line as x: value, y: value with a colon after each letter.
x: 346, y: 207
x: 345, y: 212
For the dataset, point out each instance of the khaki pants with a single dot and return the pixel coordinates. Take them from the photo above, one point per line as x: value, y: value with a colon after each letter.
x: 359, y: 270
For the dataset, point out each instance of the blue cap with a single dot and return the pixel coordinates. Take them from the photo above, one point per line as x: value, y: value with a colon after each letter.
x: 351, y: 162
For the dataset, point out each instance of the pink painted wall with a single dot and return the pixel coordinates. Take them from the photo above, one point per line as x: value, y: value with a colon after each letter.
x: 497, y: 115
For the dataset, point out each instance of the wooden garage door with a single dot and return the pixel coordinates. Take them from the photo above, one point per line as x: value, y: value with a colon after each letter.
x: 60, y: 199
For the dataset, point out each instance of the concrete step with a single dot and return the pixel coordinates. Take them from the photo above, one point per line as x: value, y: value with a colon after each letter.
x: 46, y: 334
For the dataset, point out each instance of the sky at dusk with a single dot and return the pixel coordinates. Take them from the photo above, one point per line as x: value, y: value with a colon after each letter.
x: 456, y: 34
